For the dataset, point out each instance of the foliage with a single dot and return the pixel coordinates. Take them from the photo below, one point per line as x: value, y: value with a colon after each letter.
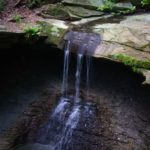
x: 33, y: 31
x: 55, y: 11
x: 127, y: 11
x: 34, y: 3
x: 110, y: 6
x: 2, y: 4
x: 145, y: 2
x: 131, y: 61
x: 16, y: 18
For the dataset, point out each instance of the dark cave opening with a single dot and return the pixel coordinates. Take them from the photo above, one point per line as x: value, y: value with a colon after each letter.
x: 28, y: 71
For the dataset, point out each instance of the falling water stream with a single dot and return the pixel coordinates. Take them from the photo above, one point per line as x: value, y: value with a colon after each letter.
x: 66, y: 67
x: 78, y: 76
x: 88, y: 65
x: 58, y: 132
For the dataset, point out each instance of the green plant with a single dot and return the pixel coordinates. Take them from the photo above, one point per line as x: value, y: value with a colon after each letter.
x: 108, y: 5
x: 16, y: 18
x: 111, y: 6
x: 34, y: 3
x: 32, y: 31
x: 128, y: 11
x: 145, y: 2
x: 2, y: 4
x: 131, y: 61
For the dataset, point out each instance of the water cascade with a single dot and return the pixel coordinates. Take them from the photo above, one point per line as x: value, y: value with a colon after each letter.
x: 78, y: 76
x: 58, y: 132
x: 71, y: 124
x: 66, y: 67
x: 88, y: 65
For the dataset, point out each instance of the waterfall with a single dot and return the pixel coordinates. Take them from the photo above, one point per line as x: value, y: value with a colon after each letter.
x: 88, y: 65
x: 58, y: 132
x: 56, y: 119
x: 66, y: 68
x: 78, y: 76
x: 71, y: 124
x: 60, y: 108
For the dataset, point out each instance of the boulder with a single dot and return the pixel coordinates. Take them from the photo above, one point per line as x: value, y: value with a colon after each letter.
x: 51, y: 32
x: 54, y: 30
x: 84, y: 3
x: 83, y: 12
x: 58, y: 11
x: 134, y: 2
x: 133, y: 32
x: 2, y: 28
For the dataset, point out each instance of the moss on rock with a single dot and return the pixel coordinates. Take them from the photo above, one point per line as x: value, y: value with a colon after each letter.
x: 132, y: 62
x: 53, y: 33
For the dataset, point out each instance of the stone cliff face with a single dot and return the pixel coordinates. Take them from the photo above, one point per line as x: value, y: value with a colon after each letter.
x: 125, y: 39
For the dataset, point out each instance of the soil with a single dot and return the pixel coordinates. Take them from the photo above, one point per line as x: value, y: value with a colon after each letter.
x: 28, y: 16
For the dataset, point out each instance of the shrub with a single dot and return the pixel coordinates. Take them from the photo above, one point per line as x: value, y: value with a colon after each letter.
x: 16, y: 18
x: 110, y: 6
x: 2, y: 4
x: 131, y: 61
x: 145, y: 2
x: 32, y: 31
x: 34, y: 3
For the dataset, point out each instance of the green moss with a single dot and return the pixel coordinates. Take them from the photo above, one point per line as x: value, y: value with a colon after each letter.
x: 34, y: 3
x: 54, y: 33
x: 111, y: 6
x: 16, y: 18
x: 131, y: 61
x: 108, y: 6
x: 145, y: 2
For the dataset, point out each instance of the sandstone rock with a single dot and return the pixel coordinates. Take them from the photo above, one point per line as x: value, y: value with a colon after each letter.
x: 130, y: 38
x: 59, y: 11
x: 84, y: 3
x: 54, y: 30
x: 2, y: 28
x: 83, y: 12
x: 134, y: 2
